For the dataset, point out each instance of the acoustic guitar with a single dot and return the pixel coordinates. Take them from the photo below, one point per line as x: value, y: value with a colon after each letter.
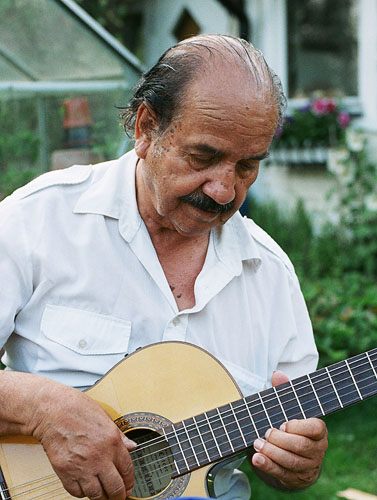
x: 187, y: 415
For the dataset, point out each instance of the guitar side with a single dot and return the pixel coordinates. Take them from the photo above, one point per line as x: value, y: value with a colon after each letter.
x: 162, y: 383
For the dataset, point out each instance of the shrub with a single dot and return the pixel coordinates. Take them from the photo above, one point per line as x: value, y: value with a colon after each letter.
x: 341, y: 296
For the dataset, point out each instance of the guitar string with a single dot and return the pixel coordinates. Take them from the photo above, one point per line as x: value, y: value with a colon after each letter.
x: 156, y: 461
x: 64, y: 491
x: 236, y: 430
x: 280, y: 392
x: 161, y: 439
x: 189, y: 439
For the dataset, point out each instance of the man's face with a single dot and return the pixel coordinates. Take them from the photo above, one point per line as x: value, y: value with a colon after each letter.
x: 197, y: 173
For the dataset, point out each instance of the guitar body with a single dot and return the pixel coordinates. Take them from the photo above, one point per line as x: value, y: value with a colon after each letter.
x: 150, y: 389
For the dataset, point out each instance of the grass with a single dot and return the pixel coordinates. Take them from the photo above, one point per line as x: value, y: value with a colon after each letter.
x: 350, y: 462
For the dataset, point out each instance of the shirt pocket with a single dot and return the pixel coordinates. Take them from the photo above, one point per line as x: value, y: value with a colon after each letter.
x: 83, y: 341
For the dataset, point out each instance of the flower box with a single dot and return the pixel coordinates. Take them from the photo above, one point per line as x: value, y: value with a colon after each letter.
x: 299, y: 156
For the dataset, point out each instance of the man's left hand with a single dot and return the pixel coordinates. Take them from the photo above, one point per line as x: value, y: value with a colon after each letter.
x: 294, y: 453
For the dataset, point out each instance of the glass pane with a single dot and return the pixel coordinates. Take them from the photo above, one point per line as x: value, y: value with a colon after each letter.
x: 322, y: 47
x: 54, y: 45
x: 9, y: 72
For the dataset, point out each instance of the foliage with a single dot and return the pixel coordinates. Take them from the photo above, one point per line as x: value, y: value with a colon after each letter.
x: 16, y: 144
x: 321, y: 123
x: 356, y: 194
x: 340, y: 290
x: 344, y: 315
x: 13, y: 178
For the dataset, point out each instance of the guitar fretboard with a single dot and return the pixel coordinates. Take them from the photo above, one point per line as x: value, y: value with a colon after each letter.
x: 232, y: 428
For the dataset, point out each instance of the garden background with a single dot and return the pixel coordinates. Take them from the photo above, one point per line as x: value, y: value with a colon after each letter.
x: 336, y: 263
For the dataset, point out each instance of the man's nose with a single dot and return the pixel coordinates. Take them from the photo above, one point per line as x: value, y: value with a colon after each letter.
x: 221, y: 185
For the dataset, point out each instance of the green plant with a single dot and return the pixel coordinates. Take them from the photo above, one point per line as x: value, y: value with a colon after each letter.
x: 12, y: 178
x: 340, y: 294
x: 17, y: 143
x: 356, y: 195
x: 320, y: 123
x: 343, y: 311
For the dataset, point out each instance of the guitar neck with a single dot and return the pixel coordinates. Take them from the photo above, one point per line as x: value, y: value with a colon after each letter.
x: 232, y: 428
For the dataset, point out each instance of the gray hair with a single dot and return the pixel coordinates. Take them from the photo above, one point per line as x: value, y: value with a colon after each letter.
x: 163, y: 87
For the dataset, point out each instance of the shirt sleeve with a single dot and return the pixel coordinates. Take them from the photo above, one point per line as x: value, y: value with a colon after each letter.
x: 15, y: 267
x: 300, y: 355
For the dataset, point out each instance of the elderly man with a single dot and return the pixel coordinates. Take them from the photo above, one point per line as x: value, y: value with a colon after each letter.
x: 96, y: 261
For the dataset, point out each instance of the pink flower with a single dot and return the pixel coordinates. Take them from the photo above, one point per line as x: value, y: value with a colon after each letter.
x: 343, y: 119
x: 323, y: 106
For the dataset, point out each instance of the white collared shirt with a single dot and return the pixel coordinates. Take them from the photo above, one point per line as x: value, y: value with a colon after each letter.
x: 81, y: 286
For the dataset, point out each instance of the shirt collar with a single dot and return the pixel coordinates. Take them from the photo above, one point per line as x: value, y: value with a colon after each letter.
x: 112, y: 193
x: 234, y: 244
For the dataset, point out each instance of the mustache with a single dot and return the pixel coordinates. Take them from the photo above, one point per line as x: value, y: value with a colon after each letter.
x: 206, y: 203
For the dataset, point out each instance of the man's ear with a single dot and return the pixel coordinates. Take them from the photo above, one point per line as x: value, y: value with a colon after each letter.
x: 145, y: 126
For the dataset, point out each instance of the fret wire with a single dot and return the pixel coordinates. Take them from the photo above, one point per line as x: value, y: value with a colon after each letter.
x: 251, y: 418
x: 359, y: 365
x: 201, y: 439
x: 334, y: 399
x: 373, y: 392
x: 213, y: 435
x: 225, y: 429
x: 316, y: 375
x: 333, y: 386
x: 167, y: 440
x: 190, y: 443
x: 281, y: 404
x: 298, y: 401
x: 238, y: 425
x: 371, y: 364
x: 353, y: 378
x: 315, y: 394
x: 265, y: 411
x: 297, y: 415
x: 180, y: 447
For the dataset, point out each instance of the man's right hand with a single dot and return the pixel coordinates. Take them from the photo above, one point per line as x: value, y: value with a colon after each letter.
x: 86, y: 449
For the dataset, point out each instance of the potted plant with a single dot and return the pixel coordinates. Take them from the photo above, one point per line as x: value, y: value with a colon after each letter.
x: 309, y: 132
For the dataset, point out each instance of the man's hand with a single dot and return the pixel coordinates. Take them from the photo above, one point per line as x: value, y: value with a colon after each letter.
x: 86, y: 449
x: 294, y: 453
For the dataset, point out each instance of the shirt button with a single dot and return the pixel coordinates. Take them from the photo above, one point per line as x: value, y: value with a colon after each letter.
x: 82, y: 344
x: 176, y: 321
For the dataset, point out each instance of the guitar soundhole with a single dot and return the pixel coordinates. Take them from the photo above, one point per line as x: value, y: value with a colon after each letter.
x: 153, y: 463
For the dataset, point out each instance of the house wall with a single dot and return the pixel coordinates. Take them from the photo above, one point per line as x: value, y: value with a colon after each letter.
x: 162, y: 16
x: 269, y: 33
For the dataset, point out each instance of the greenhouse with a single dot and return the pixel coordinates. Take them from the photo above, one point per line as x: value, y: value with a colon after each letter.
x: 62, y: 79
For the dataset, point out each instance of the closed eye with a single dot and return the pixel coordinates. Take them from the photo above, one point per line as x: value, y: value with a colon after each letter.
x: 202, y: 160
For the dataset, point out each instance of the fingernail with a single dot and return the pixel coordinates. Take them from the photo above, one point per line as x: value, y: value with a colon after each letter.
x: 268, y: 432
x: 283, y: 427
x: 259, y: 459
x: 258, y: 444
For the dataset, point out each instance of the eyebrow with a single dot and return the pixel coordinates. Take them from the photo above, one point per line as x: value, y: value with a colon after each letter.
x: 205, y: 148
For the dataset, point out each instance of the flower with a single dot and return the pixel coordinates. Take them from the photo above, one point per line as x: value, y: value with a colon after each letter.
x: 339, y: 163
x: 371, y: 202
x: 321, y: 123
x: 323, y: 106
x: 354, y: 141
x: 344, y: 119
